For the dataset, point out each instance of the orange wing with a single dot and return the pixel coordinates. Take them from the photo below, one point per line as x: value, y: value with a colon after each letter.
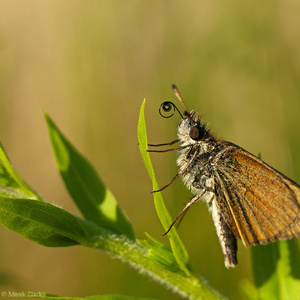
x: 260, y: 204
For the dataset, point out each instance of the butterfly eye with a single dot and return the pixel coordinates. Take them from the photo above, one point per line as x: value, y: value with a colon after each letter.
x: 197, y: 132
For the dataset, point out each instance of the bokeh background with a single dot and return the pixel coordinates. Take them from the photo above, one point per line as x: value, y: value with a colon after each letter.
x: 89, y: 64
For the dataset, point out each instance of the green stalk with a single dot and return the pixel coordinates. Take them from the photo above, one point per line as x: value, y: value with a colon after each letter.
x: 137, y: 256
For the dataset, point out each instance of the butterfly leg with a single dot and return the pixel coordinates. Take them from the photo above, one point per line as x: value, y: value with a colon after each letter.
x: 164, y: 144
x: 187, y: 206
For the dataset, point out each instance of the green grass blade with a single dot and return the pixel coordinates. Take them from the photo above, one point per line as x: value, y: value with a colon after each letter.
x: 177, y: 246
x: 95, y: 201
x: 276, y: 269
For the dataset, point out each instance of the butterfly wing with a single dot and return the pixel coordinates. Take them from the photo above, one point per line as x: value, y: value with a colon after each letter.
x: 260, y: 204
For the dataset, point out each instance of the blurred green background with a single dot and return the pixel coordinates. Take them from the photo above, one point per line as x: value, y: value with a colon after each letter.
x: 89, y: 64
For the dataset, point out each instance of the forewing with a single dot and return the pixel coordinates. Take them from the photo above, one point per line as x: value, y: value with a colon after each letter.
x: 260, y: 204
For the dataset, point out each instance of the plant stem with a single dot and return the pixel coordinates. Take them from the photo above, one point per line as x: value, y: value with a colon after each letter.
x: 131, y: 252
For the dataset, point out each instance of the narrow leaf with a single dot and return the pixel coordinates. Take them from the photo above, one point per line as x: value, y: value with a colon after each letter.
x: 276, y: 268
x: 177, y: 246
x: 10, y: 178
x: 160, y: 253
x: 44, y: 223
x: 95, y: 201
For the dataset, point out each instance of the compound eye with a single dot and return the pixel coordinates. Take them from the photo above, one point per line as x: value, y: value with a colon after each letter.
x: 197, y: 132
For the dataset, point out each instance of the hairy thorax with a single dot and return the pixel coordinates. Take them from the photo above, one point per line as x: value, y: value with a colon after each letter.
x: 199, y: 174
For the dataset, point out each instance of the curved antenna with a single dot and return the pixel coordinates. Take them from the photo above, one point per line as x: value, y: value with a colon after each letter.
x: 177, y: 94
x: 168, y: 107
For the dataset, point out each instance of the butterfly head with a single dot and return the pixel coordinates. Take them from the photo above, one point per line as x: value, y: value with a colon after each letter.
x: 191, y: 129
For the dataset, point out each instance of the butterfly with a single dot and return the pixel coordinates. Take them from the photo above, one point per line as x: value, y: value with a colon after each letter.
x: 248, y: 199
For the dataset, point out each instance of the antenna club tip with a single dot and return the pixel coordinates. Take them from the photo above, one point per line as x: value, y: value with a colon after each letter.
x: 176, y: 91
